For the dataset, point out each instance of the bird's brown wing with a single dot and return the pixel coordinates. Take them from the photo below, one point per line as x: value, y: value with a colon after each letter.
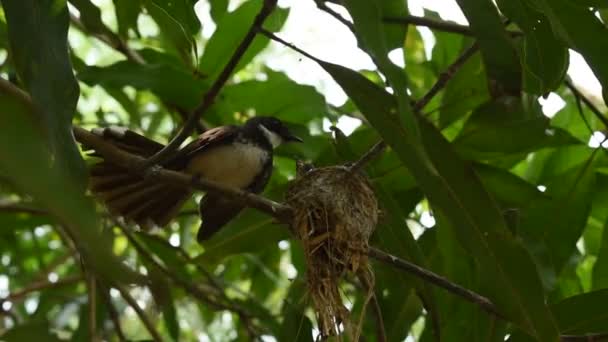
x: 208, y: 139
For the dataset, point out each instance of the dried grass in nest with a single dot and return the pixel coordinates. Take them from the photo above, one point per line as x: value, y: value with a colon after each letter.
x: 335, y: 213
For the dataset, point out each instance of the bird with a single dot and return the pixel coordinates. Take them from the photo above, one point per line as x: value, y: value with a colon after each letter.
x: 236, y: 156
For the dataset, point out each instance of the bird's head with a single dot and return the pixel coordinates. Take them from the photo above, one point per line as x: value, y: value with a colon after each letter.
x: 273, y: 129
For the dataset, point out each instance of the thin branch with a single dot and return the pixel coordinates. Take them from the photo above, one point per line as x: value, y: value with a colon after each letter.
x: 111, y: 39
x: 444, y: 77
x: 194, y: 290
x: 114, y: 316
x: 439, y: 25
x: 598, y: 113
x: 215, y: 88
x: 370, y: 155
x: 92, y: 297
x: 434, y: 24
x: 441, y: 82
x: 16, y: 207
x: 140, y: 312
x: 40, y: 286
x: 323, y: 7
x: 131, y: 162
x: 435, y: 279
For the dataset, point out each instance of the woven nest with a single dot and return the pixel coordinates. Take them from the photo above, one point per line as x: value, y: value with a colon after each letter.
x: 335, y: 213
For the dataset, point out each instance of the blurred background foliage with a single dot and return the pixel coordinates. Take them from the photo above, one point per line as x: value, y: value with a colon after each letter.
x: 485, y: 187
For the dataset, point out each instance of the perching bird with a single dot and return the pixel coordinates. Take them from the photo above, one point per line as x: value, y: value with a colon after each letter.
x: 237, y: 156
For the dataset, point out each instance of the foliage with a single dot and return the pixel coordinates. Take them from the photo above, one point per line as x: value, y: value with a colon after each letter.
x: 519, y: 199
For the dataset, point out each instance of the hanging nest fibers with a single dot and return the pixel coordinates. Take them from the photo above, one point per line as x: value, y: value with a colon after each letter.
x: 334, y: 214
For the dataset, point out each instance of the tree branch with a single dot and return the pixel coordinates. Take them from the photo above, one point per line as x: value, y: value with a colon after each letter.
x: 215, y: 88
x: 140, y: 312
x: 435, y: 279
x: 439, y: 25
x: 40, y: 286
x: 131, y: 162
x: 596, y: 111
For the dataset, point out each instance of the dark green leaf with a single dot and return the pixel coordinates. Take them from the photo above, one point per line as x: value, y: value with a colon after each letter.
x: 582, y: 31
x: 171, y: 83
x: 453, y: 187
x: 583, y: 314
x: 499, y: 55
x: 552, y: 228
x: 544, y: 57
x: 43, y: 130
x: 230, y: 31
x: 33, y: 331
x: 127, y: 12
x: 290, y: 101
x: 218, y: 9
x: 178, y: 23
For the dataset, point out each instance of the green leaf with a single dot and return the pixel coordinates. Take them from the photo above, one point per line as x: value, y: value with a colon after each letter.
x: 544, y: 56
x: 230, y: 31
x: 370, y: 36
x: 582, y: 31
x: 508, y: 127
x: 171, y: 83
x: 394, y: 34
x: 178, y: 23
x: 40, y: 127
x: 552, y: 228
x: 90, y: 15
x: 465, y: 91
x: 32, y: 331
x: 250, y: 232
x: 218, y: 9
x: 454, y: 189
x: 127, y: 12
x: 499, y: 55
x: 583, y: 314
x: 507, y: 188
x: 290, y: 101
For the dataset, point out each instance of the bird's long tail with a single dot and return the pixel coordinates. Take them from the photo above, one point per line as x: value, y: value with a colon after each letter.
x: 143, y: 201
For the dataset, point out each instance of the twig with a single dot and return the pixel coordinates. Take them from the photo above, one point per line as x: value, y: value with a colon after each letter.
x: 194, y: 290
x: 215, y: 88
x: 371, y: 154
x: 323, y: 7
x: 92, y: 296
x: 441, y: 82
x: 436, y: 279
x: 130, y: 162
x: 39, y: 286
x: 111, y: 39
x: 444, y: 77
x: 140, y: 312
x: 438, y: 25
x: 600, y: 337
x: 104, y: 291
x: 10, y: 206
x: 598, y: 113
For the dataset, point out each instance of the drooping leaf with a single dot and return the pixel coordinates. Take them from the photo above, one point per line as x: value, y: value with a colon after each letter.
x: 499, y: 55
x: 583, y: 314
x: 41, y: 126
x: 544, y: 57
x: 582, y: 31
x: 127, y: 12
x: 453, y: 188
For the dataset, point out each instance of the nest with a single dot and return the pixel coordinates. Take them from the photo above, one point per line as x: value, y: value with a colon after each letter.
x: 335, y: 213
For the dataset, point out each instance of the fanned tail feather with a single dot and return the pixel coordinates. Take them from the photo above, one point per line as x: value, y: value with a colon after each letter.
x: 143, y: 201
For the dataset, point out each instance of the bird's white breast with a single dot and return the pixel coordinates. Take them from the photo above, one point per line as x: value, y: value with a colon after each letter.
x: 234, y: 165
